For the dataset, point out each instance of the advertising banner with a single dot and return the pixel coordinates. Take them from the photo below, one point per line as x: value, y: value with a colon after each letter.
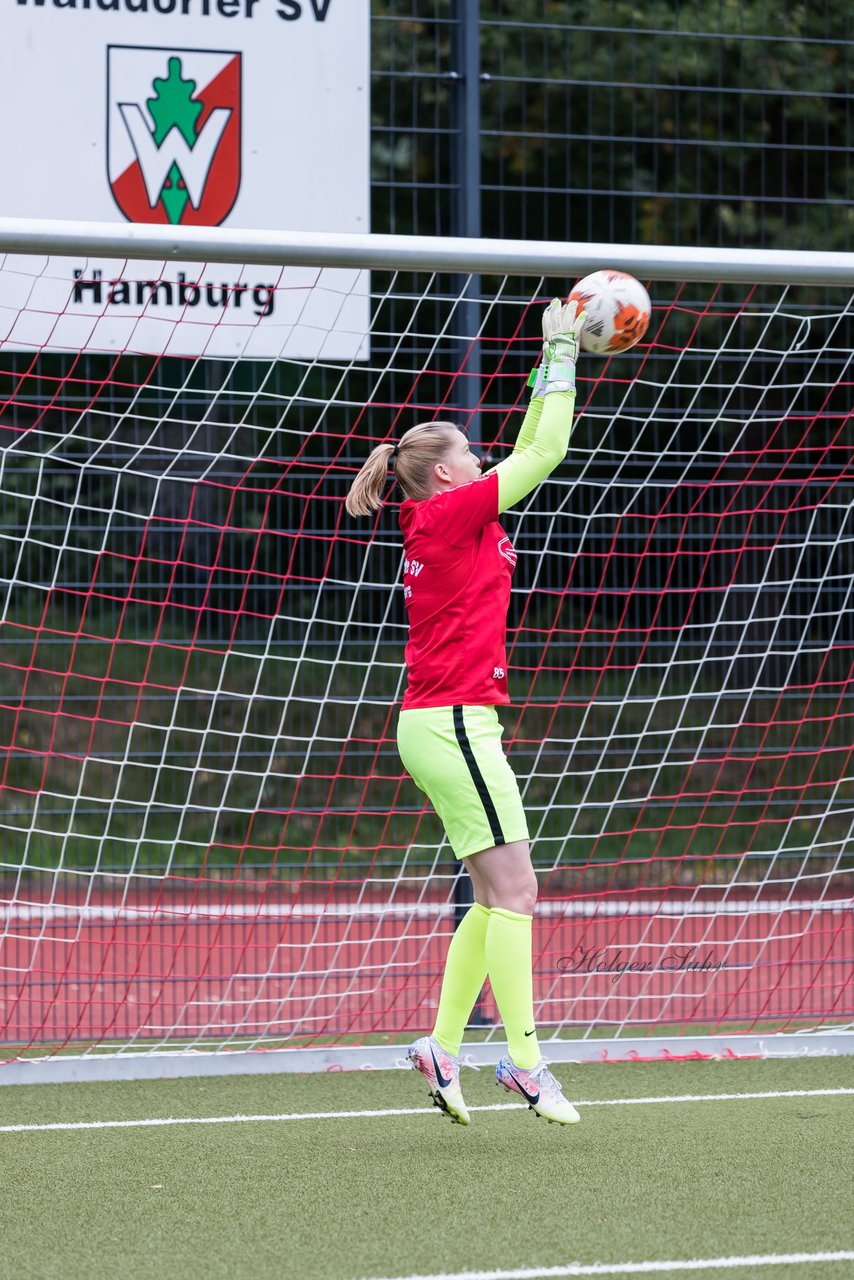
x: 185, y: 113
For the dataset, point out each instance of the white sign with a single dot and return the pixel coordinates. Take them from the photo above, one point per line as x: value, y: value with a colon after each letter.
x: 247, y: 113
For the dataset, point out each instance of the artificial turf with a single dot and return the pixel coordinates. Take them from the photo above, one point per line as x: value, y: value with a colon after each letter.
x: 412, y: 1194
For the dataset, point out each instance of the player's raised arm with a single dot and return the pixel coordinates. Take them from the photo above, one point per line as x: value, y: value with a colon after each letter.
x: 544, y: 438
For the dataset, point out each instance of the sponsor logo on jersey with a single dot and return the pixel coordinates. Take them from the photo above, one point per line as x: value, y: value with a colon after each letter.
x: 505, y: 548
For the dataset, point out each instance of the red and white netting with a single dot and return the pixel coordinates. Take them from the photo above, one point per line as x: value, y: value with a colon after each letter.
x: 207, y: 840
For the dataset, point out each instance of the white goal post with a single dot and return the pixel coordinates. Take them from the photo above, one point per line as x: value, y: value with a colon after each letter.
x: 211, y: 859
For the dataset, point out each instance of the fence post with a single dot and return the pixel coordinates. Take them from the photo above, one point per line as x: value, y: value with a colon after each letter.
x: 466, y: 221
x: 466, y: 208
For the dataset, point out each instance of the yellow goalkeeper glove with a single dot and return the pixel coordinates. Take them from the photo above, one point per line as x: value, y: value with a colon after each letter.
x: 562, y: 327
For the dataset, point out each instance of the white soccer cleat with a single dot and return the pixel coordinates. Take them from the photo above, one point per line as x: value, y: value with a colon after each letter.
x: 441, y: 1070
x: 539, y: 1088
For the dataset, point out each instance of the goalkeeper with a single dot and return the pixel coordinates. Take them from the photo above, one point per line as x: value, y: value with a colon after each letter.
x: 457, y: 571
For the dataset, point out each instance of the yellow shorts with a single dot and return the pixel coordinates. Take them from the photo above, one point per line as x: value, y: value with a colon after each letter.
x: 454, y: 755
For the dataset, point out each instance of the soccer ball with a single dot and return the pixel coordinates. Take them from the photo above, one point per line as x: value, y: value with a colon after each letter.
x: 618, y: 311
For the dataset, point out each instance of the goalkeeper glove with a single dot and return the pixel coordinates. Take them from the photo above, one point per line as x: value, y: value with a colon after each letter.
x: 562, y: 327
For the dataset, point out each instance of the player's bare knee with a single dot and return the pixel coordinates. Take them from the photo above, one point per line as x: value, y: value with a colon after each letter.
x: 520, y: 897
x: 529, y: 899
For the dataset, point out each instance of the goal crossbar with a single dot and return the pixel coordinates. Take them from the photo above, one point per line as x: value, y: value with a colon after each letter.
x: 423, y: 253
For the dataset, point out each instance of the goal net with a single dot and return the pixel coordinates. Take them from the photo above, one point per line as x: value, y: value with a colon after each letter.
x: 209, y: 845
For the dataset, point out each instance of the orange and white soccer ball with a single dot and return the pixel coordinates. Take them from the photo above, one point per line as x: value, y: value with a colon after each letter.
x: 618, y: 311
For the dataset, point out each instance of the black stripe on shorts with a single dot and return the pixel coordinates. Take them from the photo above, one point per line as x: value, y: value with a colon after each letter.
x: 477, y: 777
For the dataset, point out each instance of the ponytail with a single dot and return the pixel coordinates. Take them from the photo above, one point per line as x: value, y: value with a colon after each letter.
x: 420, y: 448
x: 366, y: 490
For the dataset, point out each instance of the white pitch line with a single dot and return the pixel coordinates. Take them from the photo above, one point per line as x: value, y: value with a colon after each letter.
x: 160, y: 1122
x: 238, y: 1119
x: 714, y: 1097
x: 641, y: 1268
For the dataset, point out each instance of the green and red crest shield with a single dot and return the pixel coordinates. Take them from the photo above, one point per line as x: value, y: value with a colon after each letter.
x: 173, y: 133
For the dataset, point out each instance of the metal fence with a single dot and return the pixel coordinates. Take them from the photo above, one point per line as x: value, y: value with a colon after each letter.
x: 648, y: 121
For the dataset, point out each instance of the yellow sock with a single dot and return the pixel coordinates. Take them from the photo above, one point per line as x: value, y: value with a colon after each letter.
x: 509, y: 963
x: 465, y: 974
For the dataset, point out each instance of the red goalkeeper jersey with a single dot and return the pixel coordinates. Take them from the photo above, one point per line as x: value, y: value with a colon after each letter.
x: 456, y: 585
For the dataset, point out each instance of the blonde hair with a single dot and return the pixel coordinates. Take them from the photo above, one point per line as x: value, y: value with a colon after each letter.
x: 418, y: 451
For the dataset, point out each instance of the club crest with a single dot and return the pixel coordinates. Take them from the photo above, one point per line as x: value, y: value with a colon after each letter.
x: 505, y: 548
x: 173, y: 134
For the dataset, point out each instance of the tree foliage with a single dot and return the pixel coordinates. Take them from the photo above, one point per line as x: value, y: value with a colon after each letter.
x: 718, y: 122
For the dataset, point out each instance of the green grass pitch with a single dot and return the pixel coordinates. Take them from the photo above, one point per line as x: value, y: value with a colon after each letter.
x: 343, y: 1197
